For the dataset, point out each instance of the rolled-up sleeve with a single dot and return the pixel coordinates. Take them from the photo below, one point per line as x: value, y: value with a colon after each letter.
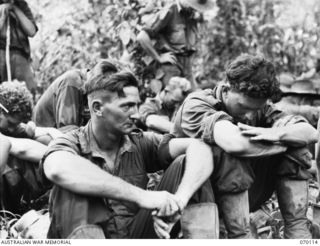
x: 274, y: 117
x: 68, y: 106
x: 199, y: 118
x: 27, y: 11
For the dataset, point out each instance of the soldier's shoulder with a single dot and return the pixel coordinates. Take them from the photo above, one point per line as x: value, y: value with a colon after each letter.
x: 205, y: 96
x: 70, y: 78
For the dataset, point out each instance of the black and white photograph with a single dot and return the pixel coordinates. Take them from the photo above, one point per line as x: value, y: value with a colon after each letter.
x: 159, y: 119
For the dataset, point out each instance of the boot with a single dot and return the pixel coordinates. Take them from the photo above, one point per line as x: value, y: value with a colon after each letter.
x: 200, y: 221
x: 293, y: 203
x: 234, y: 208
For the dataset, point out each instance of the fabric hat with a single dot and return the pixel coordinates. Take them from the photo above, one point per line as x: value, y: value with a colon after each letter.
x: 302, y: 87
x: 199, y: 5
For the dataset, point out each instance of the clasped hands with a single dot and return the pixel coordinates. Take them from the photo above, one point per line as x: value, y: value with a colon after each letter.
x: 166, y: 210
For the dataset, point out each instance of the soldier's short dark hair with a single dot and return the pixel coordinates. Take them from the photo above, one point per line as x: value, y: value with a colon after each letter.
x: 113, y: 81
x: 253, y: 76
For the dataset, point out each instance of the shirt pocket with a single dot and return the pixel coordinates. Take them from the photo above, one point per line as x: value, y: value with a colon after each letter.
x: 137, y: 179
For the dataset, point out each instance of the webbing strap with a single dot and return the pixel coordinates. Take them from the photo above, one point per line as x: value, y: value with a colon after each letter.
x: 8, y: 50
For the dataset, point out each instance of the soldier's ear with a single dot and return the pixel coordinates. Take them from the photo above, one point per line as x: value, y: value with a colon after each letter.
x: 96, y: 107
x: 225, y: 95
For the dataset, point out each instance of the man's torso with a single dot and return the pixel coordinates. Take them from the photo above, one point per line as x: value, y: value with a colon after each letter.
x: 194, y: 114
x: 50, y: 107
x: 136, y: 157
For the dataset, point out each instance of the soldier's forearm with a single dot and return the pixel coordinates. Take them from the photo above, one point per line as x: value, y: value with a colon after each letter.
x: 158, y: 123
x: 230, y: 138
x: 145, y: 42
x: 26, y: 24
x: 80, y: 176
x: 198, y: 168
x: 27, y: 149
x: 255, y: 150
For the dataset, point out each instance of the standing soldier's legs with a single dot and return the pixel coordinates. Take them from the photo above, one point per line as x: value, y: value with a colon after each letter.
x: 22, y: 70
x: 3, y: 67
x: 186, y: 63
x: 170, y: 71
x: 183, y: 68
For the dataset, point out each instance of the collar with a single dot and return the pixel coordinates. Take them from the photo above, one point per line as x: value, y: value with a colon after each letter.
x: 89, y: 145
x: 126, y: 145
x: 218, y: 91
